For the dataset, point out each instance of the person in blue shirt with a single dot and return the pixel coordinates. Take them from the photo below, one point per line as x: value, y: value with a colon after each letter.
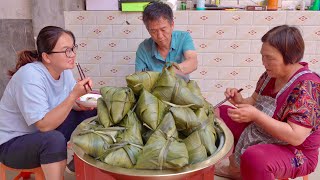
x: 38, y: 109
x: 165, y: 44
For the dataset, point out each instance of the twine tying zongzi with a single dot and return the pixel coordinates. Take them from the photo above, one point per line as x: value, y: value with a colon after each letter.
x: 164, y: 152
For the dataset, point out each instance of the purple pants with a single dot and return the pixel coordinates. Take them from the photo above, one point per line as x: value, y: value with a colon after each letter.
x: 271, y: 161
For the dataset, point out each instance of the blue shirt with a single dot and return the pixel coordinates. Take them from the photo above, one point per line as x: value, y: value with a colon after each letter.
x: 148, y: 57
x: 30, y: 94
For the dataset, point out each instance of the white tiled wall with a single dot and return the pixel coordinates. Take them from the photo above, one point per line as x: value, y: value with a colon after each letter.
x: 227, y: 42
x: 22, y: 9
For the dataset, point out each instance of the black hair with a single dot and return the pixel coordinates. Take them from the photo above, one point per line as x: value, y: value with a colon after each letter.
x: 46, y: 41
x: 288, y: 41
x: 155, y: 11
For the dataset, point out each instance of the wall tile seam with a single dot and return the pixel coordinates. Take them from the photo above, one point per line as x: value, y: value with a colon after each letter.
x: 199, y: 53
x: 206, y: 30
x: 234, y: 12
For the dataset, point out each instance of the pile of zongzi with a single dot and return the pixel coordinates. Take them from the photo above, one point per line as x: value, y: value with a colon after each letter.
x: 159, y: 121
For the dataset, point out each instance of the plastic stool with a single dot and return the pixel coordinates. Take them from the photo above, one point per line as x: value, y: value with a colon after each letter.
x: 24, y: 173
x: 304, y: 178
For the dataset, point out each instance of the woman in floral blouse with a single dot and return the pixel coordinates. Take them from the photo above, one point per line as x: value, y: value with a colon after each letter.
x: 276, y: 129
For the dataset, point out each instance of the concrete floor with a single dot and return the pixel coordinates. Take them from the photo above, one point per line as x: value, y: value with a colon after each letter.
x: 313, y: 176
x: 67, y: 176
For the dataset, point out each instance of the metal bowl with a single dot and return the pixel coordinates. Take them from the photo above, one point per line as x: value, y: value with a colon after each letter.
x: 225, y: 146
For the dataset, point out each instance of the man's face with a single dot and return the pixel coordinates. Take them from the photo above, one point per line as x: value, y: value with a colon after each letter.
x: 161, y: 31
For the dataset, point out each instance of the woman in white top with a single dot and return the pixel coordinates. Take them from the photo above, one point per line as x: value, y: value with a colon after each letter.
x: 37, y: 113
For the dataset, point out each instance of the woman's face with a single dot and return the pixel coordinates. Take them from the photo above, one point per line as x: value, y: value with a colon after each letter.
x: 60, y: 60
x: 273, y: 61
x: 161, y: 31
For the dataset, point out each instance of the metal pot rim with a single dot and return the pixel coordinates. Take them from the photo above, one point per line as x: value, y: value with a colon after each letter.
x: 210, y: 161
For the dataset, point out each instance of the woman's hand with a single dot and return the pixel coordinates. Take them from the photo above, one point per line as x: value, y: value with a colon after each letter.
x: 79, y: 90
x: 243, y: 113
x: 81, y: 87
x: 235, y: 97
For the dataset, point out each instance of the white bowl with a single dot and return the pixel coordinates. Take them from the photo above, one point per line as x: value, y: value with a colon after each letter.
x: 89, y: 100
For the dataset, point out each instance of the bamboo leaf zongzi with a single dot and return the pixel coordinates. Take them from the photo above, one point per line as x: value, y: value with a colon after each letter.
x: 119, y: 100
x: 197, y: 151
x: 140, y: 80
x: 150, y: 109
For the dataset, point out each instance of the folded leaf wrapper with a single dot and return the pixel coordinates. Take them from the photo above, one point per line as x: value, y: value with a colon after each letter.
x: 96, y: 141
x: 150, y: 109
x: 195, y: 89
x: 196, y: 150
x: 103, y: 113
x: 163, y: 151
x: 129, y: 143
x: 171, y: 89
x: 119, y: 100
x: 133, y: 127
x: 142, y: 80
x: 201, y: 114
x: 185, y: 119
x: 208, y: 137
